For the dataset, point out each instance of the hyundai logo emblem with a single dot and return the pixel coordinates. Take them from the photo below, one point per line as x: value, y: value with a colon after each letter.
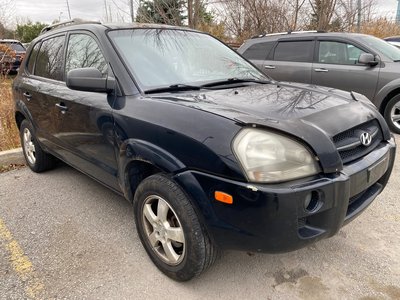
x: 366, y: 139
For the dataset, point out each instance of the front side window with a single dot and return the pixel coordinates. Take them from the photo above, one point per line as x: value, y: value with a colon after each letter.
x: 297, y: 51
x: 49, y: 62
x: 164, y: 57
x: 83, y: 52
x: 338, y: 53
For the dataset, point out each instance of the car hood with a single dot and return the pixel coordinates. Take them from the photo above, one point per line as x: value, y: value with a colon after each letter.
x: 282, y: 103
x: 311, y: 113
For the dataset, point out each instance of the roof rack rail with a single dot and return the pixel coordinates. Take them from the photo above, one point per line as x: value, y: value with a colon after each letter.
x: 67, y: 23
x: 288, y: 32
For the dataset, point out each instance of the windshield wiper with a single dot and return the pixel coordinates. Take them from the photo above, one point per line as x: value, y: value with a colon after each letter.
x: 187, y: 87
x: 233, y: 81
x: 174, y: 88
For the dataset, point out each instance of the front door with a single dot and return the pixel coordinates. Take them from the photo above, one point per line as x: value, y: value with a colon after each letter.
x: 87, y: 123
x: 337, y: 66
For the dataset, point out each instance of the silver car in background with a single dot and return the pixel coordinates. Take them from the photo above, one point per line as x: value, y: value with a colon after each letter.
x: 347, y: 61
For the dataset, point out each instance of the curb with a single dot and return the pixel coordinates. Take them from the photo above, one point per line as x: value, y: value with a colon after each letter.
x: 13, y: 156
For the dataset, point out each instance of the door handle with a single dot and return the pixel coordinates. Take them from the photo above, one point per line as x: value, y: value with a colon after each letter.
x: 269, y: 67
x: 61, y: 106
x: 28, y: 96
x: 321, y: 70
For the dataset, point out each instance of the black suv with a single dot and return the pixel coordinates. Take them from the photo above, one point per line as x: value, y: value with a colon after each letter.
x: 212, y: 154
x: 346, y: 61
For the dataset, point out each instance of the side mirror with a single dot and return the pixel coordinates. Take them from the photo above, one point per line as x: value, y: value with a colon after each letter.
x: 367, y: 59
x: 89, y: 80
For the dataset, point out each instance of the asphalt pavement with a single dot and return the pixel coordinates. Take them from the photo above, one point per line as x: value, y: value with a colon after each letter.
x: 65, y: 236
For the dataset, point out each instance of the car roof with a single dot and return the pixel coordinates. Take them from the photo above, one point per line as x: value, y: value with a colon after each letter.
x: 9, y: 41
x: 302, y: 34
x: 77, y: 24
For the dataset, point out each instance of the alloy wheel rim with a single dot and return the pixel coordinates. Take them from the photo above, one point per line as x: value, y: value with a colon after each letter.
x: 395, y: 115
x: 163, y: 230
x: 29, y: 146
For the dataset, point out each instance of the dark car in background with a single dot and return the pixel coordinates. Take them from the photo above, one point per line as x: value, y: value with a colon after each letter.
x: 12, y: 61
x: 346, y: 61
x: 394, y: 40
x: 212, y: 154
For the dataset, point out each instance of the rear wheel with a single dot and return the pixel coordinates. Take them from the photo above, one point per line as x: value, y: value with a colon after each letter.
x: 170, y: 230
x: 392, y: 114
x: 35, y: 157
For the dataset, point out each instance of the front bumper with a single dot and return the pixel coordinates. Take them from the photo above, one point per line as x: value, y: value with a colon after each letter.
x: 272, y: 218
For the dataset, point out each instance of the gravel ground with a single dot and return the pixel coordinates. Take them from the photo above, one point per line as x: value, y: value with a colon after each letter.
x: 64, y: 236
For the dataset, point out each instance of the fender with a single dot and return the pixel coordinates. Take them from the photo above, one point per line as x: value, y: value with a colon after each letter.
x: 23, y: 109
x: 384, y: 91
x: 134, y: 150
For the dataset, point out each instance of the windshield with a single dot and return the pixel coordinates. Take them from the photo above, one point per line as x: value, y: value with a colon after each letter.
x: 383, y: 47
x: 165, y: 57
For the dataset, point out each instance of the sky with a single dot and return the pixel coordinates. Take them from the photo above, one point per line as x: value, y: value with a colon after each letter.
x: 49, y: 10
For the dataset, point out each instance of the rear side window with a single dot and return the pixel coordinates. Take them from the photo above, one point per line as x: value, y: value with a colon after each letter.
x: 297, y: 51
x: 258, y: 51
x: 49, y: 62
x: 32, y: 58
x: 83, y: 52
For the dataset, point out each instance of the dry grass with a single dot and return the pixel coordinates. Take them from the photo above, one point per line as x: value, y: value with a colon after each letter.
x: 381, y: 28
x: 9, y: 136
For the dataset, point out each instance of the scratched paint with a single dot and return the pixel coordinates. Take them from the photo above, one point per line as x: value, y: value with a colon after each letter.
x: 21, y: 264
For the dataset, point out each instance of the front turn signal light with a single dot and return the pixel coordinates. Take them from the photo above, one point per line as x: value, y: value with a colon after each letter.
x: 223, y: 197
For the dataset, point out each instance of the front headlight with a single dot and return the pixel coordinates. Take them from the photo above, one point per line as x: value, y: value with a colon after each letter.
x: 270, y: 157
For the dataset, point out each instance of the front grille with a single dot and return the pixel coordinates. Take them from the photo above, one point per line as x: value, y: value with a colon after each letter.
x: 349, y: 144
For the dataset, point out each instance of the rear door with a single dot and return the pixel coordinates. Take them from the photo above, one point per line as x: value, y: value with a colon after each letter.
x: 258, y: 53
x: 336, y: 65
x: 40, y: 86
x: 291, y: 60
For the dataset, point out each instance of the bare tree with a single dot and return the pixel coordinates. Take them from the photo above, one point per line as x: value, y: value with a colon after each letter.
x: 193, y: 12
x: 296, y: 8
x: 347, y: 12
x: 119, y: 10
x: 7, y: 12
x: 244, y: 18
x: 323, y: 11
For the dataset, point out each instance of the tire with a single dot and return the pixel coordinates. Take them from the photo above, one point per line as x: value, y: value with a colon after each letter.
x: 185, y: 252
x: 392, y: 114
x: 37, y: 160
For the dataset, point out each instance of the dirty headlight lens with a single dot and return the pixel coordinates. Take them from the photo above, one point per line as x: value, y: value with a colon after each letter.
x: 270, y: 157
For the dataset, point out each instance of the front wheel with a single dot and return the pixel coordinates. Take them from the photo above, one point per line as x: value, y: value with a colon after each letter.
x: 170, y: 231
x: 392, y: 114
